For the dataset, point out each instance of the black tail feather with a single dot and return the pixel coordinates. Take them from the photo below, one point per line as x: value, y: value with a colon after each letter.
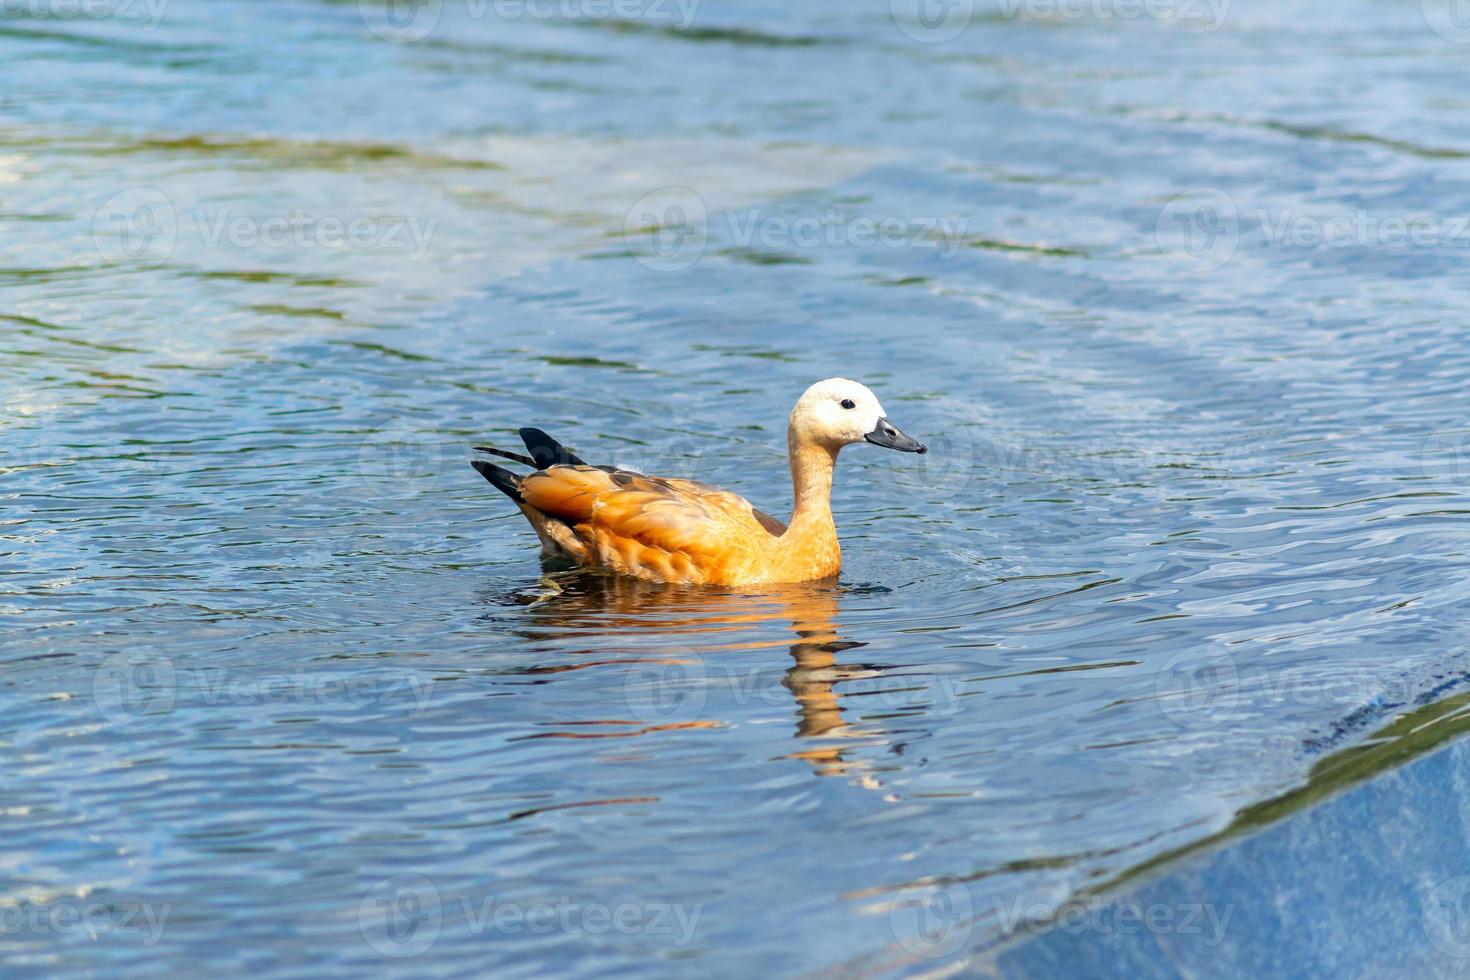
x: 501, y: 478
x: 546, y: 451
x: 507, y: 455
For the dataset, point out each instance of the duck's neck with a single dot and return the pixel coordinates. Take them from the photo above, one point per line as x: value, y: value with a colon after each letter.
x: 811, y: 530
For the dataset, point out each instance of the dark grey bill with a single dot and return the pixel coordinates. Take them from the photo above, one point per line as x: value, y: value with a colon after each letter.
x: 888, y: 436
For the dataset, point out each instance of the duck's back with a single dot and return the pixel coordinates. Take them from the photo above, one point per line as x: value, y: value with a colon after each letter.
x: 664, y: 530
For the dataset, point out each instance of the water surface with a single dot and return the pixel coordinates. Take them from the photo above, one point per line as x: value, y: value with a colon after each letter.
x: 283, y: 671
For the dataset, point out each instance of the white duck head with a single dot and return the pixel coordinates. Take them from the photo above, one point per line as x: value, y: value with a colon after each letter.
x: 839, y: 412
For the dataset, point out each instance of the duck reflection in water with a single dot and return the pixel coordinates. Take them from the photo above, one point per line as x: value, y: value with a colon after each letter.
x: 707, y: 624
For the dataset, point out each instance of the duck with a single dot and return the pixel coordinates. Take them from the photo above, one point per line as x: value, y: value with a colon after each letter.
x: 681, y: 531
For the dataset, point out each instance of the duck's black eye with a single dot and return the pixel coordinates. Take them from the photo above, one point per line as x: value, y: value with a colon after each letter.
x: 848, y: 403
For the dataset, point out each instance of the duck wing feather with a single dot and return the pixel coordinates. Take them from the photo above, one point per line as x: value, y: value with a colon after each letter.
x: 666, y: 529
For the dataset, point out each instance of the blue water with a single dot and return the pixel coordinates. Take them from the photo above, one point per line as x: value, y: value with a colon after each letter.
x: 1178, y: 302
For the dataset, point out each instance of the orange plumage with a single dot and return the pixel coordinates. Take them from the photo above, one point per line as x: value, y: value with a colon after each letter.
x: 683, y: 531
